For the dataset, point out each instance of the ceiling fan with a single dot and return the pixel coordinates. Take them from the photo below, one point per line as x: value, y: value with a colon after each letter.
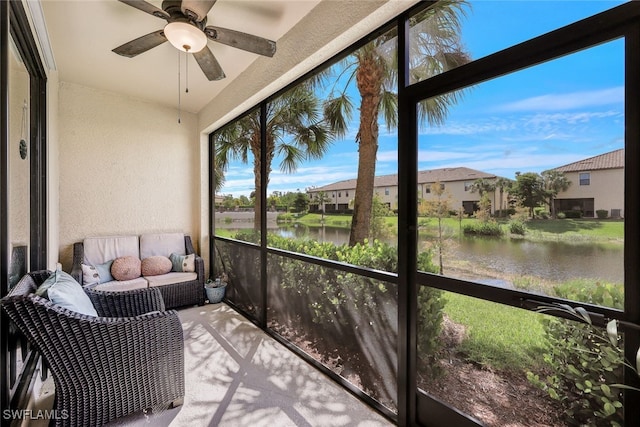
x: 187, y: 30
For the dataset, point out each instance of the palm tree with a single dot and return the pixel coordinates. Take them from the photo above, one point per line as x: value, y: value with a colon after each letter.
x: 554, y: 182
x: 295, y: 131
x: 502, y: 184
x: 322, y: 198
x: 436, y: 49
x: 482, y: 185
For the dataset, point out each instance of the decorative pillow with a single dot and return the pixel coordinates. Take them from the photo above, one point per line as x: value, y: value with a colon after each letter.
x: 126, y: 268
x: 62, y: 289
x: 99, y: 274
x: 183, y: 262
x: 104, y: 271
x: 156, y: 265
x: 90, y: 275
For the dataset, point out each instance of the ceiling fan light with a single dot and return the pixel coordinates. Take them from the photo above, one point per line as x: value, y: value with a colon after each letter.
x: 185, y: 37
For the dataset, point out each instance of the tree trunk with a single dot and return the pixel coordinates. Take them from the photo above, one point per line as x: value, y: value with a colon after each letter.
x: 369, y: 78
x: 257, y: 173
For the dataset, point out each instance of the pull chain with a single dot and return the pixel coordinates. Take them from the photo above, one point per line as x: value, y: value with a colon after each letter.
x: 186, y: 69
x: 179, y: 91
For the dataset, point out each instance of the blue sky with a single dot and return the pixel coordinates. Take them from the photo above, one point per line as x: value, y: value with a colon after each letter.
x: 539, y: 118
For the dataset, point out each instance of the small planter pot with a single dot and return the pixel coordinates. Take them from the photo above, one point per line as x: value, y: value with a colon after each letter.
x: 215, y: 294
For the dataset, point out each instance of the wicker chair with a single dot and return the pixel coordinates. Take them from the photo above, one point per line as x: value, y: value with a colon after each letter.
x: 103, y: 367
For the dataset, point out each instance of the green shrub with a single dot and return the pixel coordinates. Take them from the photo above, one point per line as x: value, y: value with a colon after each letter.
x: 540, y: 212
x: 517, y: 227
x: 483, y: 228
x: 285, y: 217
x: 583, y: 362
x: 601, y: 293
x: 572, y: 214
x: 561, y: 215
x: 602, y: 213
x: 326, y: 297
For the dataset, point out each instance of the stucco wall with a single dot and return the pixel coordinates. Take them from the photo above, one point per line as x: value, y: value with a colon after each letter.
x: 19, y: 182
x: 126, y: 167
x: 606, y: 187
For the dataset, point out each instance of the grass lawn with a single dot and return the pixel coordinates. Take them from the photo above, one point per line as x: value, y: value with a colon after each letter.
x: 595, y: 228
x: 498, y: 336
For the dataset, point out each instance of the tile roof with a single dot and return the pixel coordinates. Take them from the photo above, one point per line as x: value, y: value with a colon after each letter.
x: 611, y: 160
x: 426, y: 176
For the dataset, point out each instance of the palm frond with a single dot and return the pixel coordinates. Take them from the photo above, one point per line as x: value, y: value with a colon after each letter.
x: 338, y: 112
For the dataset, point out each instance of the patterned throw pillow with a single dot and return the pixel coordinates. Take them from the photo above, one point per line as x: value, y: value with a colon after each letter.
x: 156, y: 265
x: 183, y: 262
x: 126, y: 268
x: 98, y: 274
x: 90, y: 275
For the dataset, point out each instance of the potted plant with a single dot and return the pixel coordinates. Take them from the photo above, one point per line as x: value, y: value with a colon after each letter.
x: 215, y: 289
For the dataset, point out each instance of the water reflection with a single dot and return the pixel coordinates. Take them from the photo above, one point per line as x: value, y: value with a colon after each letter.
x: 553, y: 261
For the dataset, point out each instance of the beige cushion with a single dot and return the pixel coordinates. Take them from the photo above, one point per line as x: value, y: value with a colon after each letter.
x: 98, y: 250
x: 161, y: 244
x: 156, y: 265
x: 127, y: 285
x: 126, y: 268
x: 170, y: 278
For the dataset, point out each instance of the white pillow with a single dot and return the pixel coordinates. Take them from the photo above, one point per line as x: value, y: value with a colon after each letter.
x: 90, y: 275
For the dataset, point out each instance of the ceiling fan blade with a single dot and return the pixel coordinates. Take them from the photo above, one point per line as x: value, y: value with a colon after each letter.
x: 141, y: 44
x: 197, y: 9
x: 209, y: 64
x: 241, y: 40
x: 147, y: 7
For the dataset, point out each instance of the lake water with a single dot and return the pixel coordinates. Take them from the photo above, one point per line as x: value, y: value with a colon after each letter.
x: 554, y: 261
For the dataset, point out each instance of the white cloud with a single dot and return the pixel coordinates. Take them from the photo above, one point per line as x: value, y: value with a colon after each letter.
x: 567, y: 101
x: 303, y: 178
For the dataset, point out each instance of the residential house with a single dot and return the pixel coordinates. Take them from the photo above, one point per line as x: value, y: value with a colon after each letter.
x: 597, y: 183
x: 457, y: 183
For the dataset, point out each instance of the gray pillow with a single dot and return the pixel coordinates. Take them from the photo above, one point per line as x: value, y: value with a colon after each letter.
x: 183, y: 262
x: 62, y: 289
x: 104, y: 271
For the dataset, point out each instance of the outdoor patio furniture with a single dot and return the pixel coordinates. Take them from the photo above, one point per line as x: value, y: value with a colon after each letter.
x: 179, y: 288
x: 128, y: 359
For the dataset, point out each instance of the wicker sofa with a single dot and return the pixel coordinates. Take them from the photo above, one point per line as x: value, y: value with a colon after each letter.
x: 177, y: 288
x: 128, y: 359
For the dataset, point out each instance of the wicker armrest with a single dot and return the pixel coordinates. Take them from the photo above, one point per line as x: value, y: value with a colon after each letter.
x: 199, y: 262
x: 78, y: 258
x: 129, y: 303
x: 104, y: 368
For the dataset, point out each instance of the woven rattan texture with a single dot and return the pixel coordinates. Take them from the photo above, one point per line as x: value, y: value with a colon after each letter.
x: 174, y: 295
x: 103, y: 367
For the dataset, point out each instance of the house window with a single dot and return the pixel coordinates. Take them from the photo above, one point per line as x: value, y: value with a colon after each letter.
x: 442, y: 187
x: 346, y: 194
x: 427, y: 188
x: 386, y: 191
x: 585, y: 178
x: 339, y: 193
x: 467, y: 185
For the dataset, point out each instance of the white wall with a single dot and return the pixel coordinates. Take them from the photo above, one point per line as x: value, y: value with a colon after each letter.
x: 126, y: 167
